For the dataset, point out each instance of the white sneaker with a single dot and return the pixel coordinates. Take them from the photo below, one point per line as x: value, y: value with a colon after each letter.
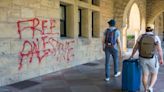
x: 118, y: 74
x: 150, y: 90
x: 107, y: 79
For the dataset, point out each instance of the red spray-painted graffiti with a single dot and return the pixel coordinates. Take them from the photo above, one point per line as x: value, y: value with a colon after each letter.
x: 46, y: 45
x: 34, y: 23
x: 63, y: 51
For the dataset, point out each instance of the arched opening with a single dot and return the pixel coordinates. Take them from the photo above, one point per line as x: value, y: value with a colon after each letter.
x: 134, y: 25
x: 131, y: 26
x: 159, y: 25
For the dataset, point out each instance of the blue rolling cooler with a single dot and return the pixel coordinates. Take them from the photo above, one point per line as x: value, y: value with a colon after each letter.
x: 131, y: 75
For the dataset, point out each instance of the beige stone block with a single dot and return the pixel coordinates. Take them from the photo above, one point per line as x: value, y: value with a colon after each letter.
x: 19, y: 2
x: 8, y: 30
x: 47, y: 3
x: 56, y: 4
x: 4, y: 47
x: 95, y: 8
x: 83, y: 5
x: 8, y: 79
x: 13, y: 19
x: 3, y: 15
x: 11, y: 62
x: 68, y: 1
x: 54, y: 13
x: 28, y: 34
x: 15, y: 46
x: 15, y: 11
x: 27, y: 3
x: 27, y: 13
x: 5, y: 3
x: 57, y: 25
x: 41, y: 13
x: 33, y: 3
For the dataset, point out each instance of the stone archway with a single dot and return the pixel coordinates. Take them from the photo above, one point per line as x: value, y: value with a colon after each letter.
x: 129, y: 22
x: 159, y: 26
x: 121, y: 14
x: 154, y: 10
x: 134, y: 25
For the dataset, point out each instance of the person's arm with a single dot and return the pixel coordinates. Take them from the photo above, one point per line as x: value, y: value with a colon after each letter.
x: 136, y: 47
x: 160, y: 52
x: 134, y: 50
x: 103, y: 42
x: 119, y: 45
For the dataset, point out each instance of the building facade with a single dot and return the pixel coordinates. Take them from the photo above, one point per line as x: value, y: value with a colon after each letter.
x: 43, y: 36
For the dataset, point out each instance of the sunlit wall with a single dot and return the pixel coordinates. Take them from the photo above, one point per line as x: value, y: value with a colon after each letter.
x: 134, y: 21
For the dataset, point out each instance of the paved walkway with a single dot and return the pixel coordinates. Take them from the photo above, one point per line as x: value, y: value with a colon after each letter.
x: 83, y: 78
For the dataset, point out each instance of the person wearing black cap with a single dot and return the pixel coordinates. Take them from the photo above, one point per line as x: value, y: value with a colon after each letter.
x: 149, y: 47
x: 111, y: 46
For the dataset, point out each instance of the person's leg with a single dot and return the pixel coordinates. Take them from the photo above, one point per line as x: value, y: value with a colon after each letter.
x: 107, y: 65
x: 115, y: 60
x: 145, y: 77
x: 153, y: 80
x: 145, y: 73
x: 153, y: 67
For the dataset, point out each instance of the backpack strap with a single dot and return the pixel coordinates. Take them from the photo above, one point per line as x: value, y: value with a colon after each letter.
x: 107, y: 35
x: 142, y: 36
x: 139, y: 42
x: 114, y: 35
x: 115, y: 30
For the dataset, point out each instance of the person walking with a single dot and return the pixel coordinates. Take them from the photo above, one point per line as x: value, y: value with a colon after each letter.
x: 149, y: 47
x: 111, y: 46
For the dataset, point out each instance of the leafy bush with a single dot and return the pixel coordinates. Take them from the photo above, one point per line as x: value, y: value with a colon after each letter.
x: 130, y: 37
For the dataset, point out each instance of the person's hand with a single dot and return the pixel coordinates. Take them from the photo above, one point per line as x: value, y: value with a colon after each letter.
x: 103, y: 49
x: 161, y: 62
x: 120, y: 54
x: 130, y: 57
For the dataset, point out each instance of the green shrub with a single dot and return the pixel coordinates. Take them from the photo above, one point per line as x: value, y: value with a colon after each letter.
x: 130, y: 37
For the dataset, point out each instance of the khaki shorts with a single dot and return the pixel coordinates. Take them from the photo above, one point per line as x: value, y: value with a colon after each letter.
x: 149, y: 65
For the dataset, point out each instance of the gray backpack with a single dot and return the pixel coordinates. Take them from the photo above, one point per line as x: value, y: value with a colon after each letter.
x: 147, y: 46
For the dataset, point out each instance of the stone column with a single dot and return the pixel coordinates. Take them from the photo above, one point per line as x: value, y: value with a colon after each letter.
x: 72, y: 22
x: 96, y: 24
x: 86, y: 23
